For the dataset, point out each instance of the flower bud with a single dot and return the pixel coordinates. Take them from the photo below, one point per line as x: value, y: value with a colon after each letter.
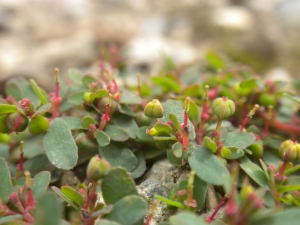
x: 97, y: 168
x: 3, y: 127
x: 223, y: 108
x: 257, y: 149
x: 38, y: 125
x: 16, y: 122
x: 288, y: 150
x: 154, y: 109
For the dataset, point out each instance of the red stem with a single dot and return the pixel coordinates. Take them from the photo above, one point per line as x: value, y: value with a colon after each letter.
x: 212, y: 217
x: 266, y: 128
x: 244, y: 123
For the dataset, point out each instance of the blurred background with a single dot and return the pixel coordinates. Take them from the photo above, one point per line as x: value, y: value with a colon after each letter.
x: 37, y: 36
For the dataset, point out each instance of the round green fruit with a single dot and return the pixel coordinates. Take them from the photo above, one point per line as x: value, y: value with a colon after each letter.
x: 38, y: 125
x: 97, y: 168
x: 3, y: 128
x: 257, y: 149
x: 223, y: 108
x: 16, y: 122
x: 267, y: 99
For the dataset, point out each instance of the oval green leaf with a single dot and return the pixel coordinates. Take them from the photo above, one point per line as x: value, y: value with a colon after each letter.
x: 116, y: 133
x: 102, y: 138
x: 239, y: 139
x: 60, y: 146
x: 208, y: 167
x: 73, y: 195
x: 87, y: 121
x: 5, y: 108
x: 40, y: 183
x: 6, y: 184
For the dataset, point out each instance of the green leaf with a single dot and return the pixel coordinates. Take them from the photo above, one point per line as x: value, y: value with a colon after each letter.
x: 193, y: 91
x: 118, y: 154
x: 73, y: 195
x: 291, y: 170
x: 116, y: 185
x: 129, y: 210
x: 141, y: 166
x: 107, y: 222
x: 225, y: 152
x: 152, y: 152
x: 43, y: 109
x: 177, y: 149
x: 256, y: 173
x: 5, y: 108
x: 193, y: 113
x: 170, y: 202
x: 174, y: 119
x: 87, y: 80
x: 116, y: 133
x: 6, y: 185
x: 40, y: 183
x: 143, y: 136
x: 102, y: 138
x: 209, y: 144
x: 199, y: 192
x: 130, y: 99
x: 236, y: 153
x: 163, y: 128
x: 294, y: 98
x: 286, y: 217
x: 208, y: 167
x: 65, y: 198
x: 99, y: 94
x: 161, y: 138
x: 167, y: 83
x: 248, y: 84
x: 36, y: 163
x: 103, y: 211
x: 126, y: 109
x: 239, y: 139
x: 47, y: 203
x: 75, y: 75
x: 186, y: 218
x: 60, y: 146
x: 175, y: 107
x: 214, y: 60
x: 9, y: 220
x: 38, y: 91
x: 287, y: 188
x: 126, y: 122
x: 86, y: 121
x: 76, y: 98
x: 74, y: 123
x: 176, y: 161
x: 14, y: 90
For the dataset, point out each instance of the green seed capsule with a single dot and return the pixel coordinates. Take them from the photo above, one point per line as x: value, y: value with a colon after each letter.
x: 257, y: 149
x: 16, y: 122
x: 97, y: 168
x: 87, y: 97
x: 266, y: 99
x: 223, y: 108
x: 154, y: 109
x: 3, y: 128
x: 38, y: 125
x: 290, y: 147
x: 83, y: 143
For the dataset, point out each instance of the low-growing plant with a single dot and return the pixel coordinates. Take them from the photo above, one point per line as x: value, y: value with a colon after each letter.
x: 231, y: 130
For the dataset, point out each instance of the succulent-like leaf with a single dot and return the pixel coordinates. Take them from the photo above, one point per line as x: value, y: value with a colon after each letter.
x: 75, y: 75
x: 208, y: 167
x: 177, y: 149
x: 256, y: 173
x: 76, y: 98
x: 40, y: 183
x: 236, y: 153
x: 107, y: 209
x: 65, y: 198
x: 116, y: 133
x: 46, y: 203
x: 288, y: 188
x: 248, y: 84
x: 167, y: 83
x: 163, y: 128
x: 38, y: 91
x: 86, y: 121
x: 170, y: 202
x: 209, y: 144
x: 239, y: 139
x: 199, y: 192
x: 141, y: 166
x: 174, y: 119
x: 5, y: 108
x: 186, y: 218
x: 129, y: 210
x: 102, y: 138
x: 193, y: 90
x: 6, y: 185
x: 193, y: 113
x: 116, y: 185
x: 60, y: 146
x: 118, y: 154
x: 73, y: 195
x: 214, y: 60
x: 126, y: 122
x: 176, y: 161
x: 87, y: 80
x: 130, y: 99
x: 99, y: 94
x: 143, y: 136
x: 43, y: 109
x: 74, y: 123
x: 36, y: 163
